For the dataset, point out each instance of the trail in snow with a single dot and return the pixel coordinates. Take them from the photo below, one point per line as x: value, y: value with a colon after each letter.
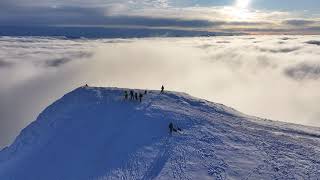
x: 158, y: 163
x: 93, y: 133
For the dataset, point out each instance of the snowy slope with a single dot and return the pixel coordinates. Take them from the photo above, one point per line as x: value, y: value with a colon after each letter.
x: 93, y: 133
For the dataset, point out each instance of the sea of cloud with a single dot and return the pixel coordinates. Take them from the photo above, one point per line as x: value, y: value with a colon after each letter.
x: 274, y: 77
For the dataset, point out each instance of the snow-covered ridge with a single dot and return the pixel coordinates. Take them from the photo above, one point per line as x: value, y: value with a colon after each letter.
x: 94, y: 133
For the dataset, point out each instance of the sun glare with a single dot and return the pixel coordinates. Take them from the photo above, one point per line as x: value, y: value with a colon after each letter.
x: 242, y: 4
x: 240, y: 10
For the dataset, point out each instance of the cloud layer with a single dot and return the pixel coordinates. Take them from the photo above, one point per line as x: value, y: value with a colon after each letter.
x: 274, y: 77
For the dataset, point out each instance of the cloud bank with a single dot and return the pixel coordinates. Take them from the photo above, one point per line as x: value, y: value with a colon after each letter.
x: 304, y: 71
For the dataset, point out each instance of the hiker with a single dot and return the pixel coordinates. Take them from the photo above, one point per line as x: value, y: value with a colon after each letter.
x: 171, y: 127
x: 145, y: 92
x: 140, y: 97
x: 162, y: 88
x: 136, y: 96
x: 86, y: 85
x: 131, y: 95
x: 125, y: 95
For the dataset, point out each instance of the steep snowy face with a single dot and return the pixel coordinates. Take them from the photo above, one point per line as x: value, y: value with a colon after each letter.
x: 95, y: 133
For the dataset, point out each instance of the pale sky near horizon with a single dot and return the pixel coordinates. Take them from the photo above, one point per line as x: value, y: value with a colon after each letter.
x: 249, y: 16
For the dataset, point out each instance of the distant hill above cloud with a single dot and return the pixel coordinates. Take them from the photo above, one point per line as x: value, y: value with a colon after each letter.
x: 102, y: 32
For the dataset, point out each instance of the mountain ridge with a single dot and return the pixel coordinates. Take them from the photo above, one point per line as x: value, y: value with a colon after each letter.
x: 94, y: 133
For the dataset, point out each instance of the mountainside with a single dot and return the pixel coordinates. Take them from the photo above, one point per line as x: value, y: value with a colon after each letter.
x: 94, y: 133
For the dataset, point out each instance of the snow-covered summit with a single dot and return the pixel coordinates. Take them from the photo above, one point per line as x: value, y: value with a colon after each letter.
x: 94, y: 133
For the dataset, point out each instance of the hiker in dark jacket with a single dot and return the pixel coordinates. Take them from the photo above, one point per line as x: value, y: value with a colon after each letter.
x: 136, y: 96
x: 162, y: 89
x: 140, y: 97
x: 131, y: 95
x: 125, y: 95
x: 171, y: 128
x: 145, y: 92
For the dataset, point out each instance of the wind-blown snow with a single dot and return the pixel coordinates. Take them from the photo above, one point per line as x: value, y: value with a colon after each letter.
x: 93, y: 133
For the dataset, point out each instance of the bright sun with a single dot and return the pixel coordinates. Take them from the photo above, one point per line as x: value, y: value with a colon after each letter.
x: 242, y: 4
x: 240, y: 10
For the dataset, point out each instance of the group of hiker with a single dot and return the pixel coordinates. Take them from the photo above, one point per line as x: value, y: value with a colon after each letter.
x: 137, y: 96
x: 134, y: 95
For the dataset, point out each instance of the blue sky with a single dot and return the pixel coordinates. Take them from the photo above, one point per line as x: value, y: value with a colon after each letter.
x: 288, y: 5
x: 249, y: 16
x: 311, y: 5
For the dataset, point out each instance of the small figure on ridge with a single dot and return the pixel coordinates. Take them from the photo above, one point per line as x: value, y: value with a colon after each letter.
x: 131, y: 94
x: 136, y: 96
x: 125, y: 95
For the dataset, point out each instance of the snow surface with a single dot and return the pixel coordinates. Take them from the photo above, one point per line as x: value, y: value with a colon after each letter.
x: 93, y: 133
